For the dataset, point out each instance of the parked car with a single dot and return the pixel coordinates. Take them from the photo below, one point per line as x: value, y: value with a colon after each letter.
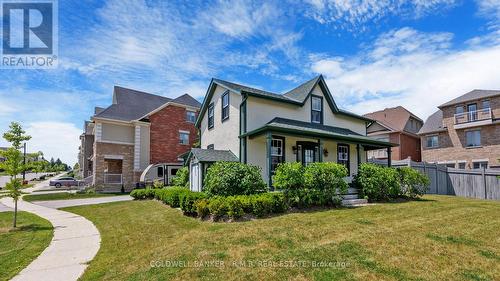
x: 66, y: 181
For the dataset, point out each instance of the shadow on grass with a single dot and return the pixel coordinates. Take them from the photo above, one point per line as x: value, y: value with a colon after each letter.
x: 31, y: 228
x: 453, y: 239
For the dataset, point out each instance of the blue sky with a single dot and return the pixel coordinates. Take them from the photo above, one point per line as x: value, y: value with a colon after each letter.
x: 373, y: 54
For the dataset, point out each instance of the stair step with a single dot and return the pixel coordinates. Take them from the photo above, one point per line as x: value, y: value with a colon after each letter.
x: 354, y: 202
x: 350, y: 196
x: 351, y: 190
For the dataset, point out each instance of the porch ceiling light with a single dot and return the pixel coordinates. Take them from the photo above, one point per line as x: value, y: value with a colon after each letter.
x: 325, y: 152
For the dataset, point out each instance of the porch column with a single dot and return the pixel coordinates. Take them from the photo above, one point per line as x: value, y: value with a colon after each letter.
x: 389, y: 161
x: 137, y: 148
x: 320, y: 148
x: 269, y: 139
x: 358, y: 154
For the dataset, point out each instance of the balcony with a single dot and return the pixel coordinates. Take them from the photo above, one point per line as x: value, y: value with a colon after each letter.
x: 473, y: 118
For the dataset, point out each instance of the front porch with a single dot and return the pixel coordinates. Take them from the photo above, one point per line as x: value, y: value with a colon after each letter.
x: 277, y: 143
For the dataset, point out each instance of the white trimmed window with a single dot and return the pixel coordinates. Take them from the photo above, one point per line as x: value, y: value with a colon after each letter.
x: 211, y: 116
x: 183, y: 137
x: 316, y: 110
x: 225, y: 106
x: 191, y: 116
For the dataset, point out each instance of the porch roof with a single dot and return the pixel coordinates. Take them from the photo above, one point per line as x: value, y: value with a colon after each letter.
x: 301, y: 128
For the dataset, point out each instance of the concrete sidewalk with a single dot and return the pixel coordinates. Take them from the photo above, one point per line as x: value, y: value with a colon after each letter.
x: 75, y: 243
x: 4, y: 208
x: 56, y: 204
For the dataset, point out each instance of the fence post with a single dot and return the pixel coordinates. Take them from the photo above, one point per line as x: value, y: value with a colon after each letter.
x: 484, y: 181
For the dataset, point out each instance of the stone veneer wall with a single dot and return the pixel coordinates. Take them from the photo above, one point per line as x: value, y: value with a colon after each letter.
x: 127, y: 151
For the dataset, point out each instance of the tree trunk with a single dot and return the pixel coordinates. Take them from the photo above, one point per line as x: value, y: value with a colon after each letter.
x: 15, y: 213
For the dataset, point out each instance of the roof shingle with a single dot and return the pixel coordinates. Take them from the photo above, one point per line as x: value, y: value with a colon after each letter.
x: 472, y: 95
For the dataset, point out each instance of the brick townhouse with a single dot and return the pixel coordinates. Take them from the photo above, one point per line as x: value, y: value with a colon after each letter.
x: 138, y: 129
x: 465, y: 132
x: 395, y: 125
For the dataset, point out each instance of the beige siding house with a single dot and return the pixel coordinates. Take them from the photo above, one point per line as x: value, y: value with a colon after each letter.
x: 264, y: 129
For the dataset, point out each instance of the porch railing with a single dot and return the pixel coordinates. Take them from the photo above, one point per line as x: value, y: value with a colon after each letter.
x: 113, y: 178
x: 473, y: 116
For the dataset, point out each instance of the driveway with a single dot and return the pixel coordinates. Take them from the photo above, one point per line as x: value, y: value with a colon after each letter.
x: 56, y: 204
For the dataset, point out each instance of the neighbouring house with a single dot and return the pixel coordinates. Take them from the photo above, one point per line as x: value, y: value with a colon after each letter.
x: 137, y: 130
x: 264, y: 129
x: 464, y: 132
x: 2, y: 159
x: 396, y: 125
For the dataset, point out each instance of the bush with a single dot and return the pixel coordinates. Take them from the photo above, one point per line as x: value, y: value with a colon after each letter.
x: 234, y: 207
x: 217, y: 207
x: 202, y: 208
x: 187, y: 201
x: 307, y: 198
x: 233, y: 178
x: 377, y: 182
x: 289, y: 176
x: 143, y: 193
x: 171, y: 195
x: 326, y: 176
x: 181, y: 178
x: 413, y: 183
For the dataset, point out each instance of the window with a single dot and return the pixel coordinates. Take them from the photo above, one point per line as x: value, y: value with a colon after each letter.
x: 191, y: 116
x: 459, y: 109
x: 159, y: 172
x: 277, y: 153
x: 480, y: 165
x: 225, y: 106
x: 432, y: 141
x: 210, y: 146
x: 316, y: 110
x: 450, y: 165
x: 184, y: 137
x: 473, y: 138
x: 211, y: 116
x: 461, y: 165
x: 486, y: 104
x: 343, y: 155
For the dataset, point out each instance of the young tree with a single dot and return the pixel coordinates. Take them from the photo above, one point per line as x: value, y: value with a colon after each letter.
x: 14, y: 162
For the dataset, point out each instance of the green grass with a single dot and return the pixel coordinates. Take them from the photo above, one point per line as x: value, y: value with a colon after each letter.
x: 20, y: 246
x: 65, y: 195
x: 440, y: 238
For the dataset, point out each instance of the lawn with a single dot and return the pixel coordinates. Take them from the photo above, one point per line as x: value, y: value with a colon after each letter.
x: 65, y: 195
x: 439, y: 238
x: 21, y: 246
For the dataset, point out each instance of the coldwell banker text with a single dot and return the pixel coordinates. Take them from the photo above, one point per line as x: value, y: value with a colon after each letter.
x: 29, y: 32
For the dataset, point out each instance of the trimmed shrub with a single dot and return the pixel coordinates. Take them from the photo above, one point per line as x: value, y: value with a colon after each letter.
x: 143, y: 193
x: 233, y: 178
x: 307, y: 198
x: 171, y: 195
x: 377, y: 182
x: 181, y: 178
x: 187, y: 201
x: 234, y: 207
x: 326, y: 176
x: 202, y: 208
x: 289, y: 176
x: 217, y: 207
x: 413, y: 183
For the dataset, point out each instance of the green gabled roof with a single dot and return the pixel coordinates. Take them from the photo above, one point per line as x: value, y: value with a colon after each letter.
x: 297, y: 96
x: 317, y: 130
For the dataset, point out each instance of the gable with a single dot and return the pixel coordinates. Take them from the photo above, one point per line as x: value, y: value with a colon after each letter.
x: 376, y: 127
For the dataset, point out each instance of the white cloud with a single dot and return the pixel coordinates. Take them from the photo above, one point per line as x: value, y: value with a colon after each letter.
x: 54, y: 139
x: 418, y: 70
x: 355, y: 14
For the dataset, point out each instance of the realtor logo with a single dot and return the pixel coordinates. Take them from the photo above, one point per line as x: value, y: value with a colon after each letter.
x: 29, y: 34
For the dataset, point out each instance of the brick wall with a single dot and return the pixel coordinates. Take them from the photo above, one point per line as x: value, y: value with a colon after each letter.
x: 101, y: 164
x: 164, y: 132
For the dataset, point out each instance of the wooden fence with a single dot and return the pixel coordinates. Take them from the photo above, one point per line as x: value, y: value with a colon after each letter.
x: 477, y: 183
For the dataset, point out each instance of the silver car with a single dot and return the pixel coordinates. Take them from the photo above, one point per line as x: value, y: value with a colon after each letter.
x: 63, y: 182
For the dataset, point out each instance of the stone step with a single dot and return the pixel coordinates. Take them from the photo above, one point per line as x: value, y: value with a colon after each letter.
x: 351, y: 196
x: 351, y: 190
x: 354, y: 202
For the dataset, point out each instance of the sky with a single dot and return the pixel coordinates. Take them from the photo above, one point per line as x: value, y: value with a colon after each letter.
x: 373, y: 54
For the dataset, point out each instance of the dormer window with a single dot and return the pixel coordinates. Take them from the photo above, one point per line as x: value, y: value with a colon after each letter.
x: 316, y: 109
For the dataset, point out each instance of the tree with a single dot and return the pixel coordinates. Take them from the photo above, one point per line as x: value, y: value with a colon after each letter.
x: 14, y: 163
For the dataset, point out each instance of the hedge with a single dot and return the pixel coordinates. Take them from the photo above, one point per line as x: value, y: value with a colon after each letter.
x: 380, y: 183
x: 144, y: 193
x: 233, y: 178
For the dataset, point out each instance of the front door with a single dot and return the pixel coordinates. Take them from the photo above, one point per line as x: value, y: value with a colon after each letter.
x: 309, y: 152
x: 343, y: 156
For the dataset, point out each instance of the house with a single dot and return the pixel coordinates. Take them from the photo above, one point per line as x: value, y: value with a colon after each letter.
x: 137, y: 130
x: 396, y: 125
x: 264, y: 129
x: 2, y: 159
x: 464, y: 132
x: 86, y: 149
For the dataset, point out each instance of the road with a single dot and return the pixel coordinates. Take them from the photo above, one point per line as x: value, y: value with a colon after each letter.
x: 29, y: 176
